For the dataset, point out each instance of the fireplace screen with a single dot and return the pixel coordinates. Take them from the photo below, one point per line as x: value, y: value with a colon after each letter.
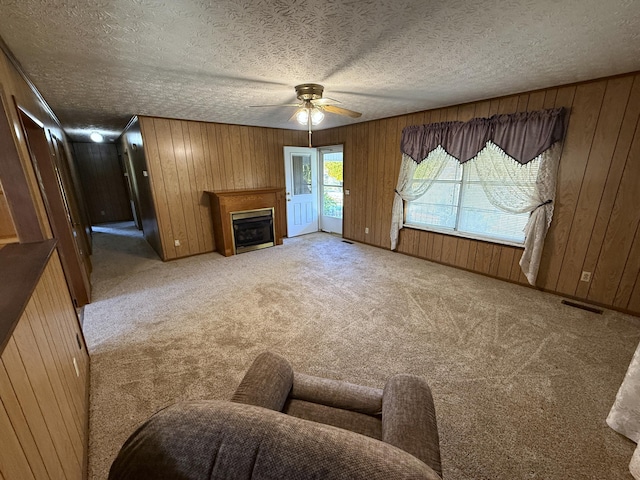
x: 252, y: 230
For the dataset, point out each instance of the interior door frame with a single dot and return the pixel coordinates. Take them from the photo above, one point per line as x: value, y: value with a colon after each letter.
x: 72, y: 197
x: 76, y: 270
x: 24, y: 213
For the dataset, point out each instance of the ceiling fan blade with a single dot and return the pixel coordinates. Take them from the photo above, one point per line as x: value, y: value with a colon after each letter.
x: 279, y: 105
x: 324, y: 101
x: 341, y: 111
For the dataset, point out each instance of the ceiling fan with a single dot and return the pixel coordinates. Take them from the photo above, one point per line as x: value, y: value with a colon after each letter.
x: 311, y: 108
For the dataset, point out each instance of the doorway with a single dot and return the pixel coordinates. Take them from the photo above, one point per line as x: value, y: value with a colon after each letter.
x: 61, y: 210
x: 314, y: 189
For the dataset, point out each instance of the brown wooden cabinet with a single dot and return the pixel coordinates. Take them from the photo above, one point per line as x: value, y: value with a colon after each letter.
x: 223, y: 203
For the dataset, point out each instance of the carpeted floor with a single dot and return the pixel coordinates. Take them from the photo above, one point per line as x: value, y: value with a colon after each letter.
x: 522, y: 384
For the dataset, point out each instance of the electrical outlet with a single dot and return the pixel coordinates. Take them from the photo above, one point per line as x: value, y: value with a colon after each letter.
x: 347, y: 192
x: 366, y: 230
x: 585, y: 277
x: 102, y: 212
x: 176, y: 243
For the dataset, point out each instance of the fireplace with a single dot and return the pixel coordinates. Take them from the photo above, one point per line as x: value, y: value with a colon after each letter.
x: 226, y: 202
x: 252, y: 230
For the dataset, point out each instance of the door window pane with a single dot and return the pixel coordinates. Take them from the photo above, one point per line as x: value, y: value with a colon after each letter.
x: 301, y: 174
x: 332, y: 201
x: 332, y: 166
x: 332, y: 196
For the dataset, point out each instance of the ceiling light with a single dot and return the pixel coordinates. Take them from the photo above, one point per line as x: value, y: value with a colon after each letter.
x: 316, y: 116
x: 96, y: 137
x: 303, y: 116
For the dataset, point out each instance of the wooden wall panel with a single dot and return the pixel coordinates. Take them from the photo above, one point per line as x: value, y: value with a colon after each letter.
x: 603, y: 144
x: 47, y: 336
x: 37, y: 450
x: 132, y: 149
x: 622, y: 228
x: 614, y: 176
x: 596, y: 219
x: 569, y: 177
x: 43, y: 401
x: 103, y: 182
x: 7, y: 228
x: 185, y: 158
x: 13, y: 84
x: 13, y: 461
x: 625, y: 292
x: 585, y: 111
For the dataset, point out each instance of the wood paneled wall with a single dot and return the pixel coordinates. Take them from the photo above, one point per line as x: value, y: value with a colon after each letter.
x: 103, y: 182
x: 7, y: 228
x: 187, y: 158
x: 596, y: 219
x: 133, y: 150
x: 44, y: 402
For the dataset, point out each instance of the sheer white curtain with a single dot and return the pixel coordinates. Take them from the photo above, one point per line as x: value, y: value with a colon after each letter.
x: 624, y: 416
x: 517, y: 188
x: 414, y: 180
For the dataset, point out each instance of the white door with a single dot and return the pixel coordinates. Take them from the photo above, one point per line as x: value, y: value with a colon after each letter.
x: 301, y: 179
x: 331, y: 195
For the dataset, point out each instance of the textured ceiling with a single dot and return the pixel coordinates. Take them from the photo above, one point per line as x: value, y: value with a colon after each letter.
x: 98, y: 62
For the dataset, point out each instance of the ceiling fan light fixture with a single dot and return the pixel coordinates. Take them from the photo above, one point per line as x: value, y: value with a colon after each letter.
x: 316, y: 116
x: 303, y: 116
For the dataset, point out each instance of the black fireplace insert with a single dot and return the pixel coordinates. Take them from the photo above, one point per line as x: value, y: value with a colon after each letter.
x: 253, y: 229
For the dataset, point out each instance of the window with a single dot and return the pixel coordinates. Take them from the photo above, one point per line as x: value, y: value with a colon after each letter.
x: 505, y: 182
x: 456, y: 201
x: 302, y: 175
x: 332, y: 197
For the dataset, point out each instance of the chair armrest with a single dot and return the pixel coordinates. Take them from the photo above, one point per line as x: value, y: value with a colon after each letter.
x: 337, y: 394
x: 409, y: 419
x: 267, y: 383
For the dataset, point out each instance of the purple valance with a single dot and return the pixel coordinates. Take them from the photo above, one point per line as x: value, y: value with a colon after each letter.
x: 523, y: 136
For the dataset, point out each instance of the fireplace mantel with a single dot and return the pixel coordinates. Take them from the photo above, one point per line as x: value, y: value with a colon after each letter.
x: 223, y: 203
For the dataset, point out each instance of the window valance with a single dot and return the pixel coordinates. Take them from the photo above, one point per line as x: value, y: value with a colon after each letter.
x: 522, y: 136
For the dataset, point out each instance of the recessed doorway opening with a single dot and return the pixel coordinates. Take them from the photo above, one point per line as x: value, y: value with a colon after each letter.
x: 314, y: 189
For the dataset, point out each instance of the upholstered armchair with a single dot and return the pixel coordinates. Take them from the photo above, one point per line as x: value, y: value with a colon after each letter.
x: 285, y: 425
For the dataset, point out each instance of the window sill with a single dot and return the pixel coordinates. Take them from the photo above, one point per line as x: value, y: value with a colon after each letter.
x: 470, y: 236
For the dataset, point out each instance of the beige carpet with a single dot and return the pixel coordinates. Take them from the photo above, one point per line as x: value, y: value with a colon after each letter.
x: 522, y: 384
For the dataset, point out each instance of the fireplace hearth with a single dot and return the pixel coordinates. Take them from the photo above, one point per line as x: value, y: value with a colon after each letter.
x: 252, y: 230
